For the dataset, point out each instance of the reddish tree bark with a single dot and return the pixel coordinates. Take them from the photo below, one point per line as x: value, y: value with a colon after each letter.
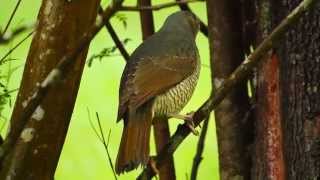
x: 60, y: 24
x: 161, y: 125
x: 268, y: 158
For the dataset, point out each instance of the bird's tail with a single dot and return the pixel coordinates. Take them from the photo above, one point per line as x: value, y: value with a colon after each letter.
x: 134, y: 146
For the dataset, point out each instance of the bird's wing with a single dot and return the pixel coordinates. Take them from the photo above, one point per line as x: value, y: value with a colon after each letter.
x: 153, y: 76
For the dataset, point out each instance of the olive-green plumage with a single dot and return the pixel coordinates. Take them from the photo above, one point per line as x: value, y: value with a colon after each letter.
x: 158, y: 80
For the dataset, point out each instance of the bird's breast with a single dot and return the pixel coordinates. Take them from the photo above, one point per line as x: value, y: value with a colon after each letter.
x: 175, y: 98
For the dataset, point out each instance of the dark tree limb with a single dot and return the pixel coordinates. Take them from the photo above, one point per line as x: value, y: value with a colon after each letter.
x: 185, y: 7
x: 117, y: 41
x: 198, y: 157
x: 156, y: 7
x: 115, y: 38
x: 240, y: 74
x: 26, y: 105
x: 160, y: 125
x: 233, y: 129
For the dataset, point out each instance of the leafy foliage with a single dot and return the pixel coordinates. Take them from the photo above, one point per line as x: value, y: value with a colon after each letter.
x: 122, y: 18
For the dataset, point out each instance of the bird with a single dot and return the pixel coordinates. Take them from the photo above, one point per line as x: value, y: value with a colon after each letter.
x: 157, y: 81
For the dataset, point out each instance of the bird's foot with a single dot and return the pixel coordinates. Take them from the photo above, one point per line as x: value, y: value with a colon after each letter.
x: 153, y: 165
x: 188, y: 118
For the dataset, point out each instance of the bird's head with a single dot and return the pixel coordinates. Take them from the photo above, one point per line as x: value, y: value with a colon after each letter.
x: 183, y: 20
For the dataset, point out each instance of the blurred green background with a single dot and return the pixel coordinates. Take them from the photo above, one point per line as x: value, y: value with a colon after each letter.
x: 83, y: 156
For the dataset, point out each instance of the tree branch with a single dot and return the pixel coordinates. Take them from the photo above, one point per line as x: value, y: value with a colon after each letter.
x: 11, y: 17
x: 3, y: 59
x: 117, y: 41
x: 9, y: 36
x: 56, y: 75
x: 203, y: 26
x: 156, y: 7
x: 198, y: 157
x: 115, y: 38
x: 235, y: 78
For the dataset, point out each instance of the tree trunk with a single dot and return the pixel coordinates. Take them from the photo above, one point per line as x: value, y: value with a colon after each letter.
x: 299, y: 88
x: 161, y: 125
x: 60, y: 24
x: 227, y: 52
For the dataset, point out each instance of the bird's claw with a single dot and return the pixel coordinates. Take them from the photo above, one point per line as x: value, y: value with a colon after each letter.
x: 190, y: 124
x: 188, y: 118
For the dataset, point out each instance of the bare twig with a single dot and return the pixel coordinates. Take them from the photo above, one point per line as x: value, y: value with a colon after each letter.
x: 236, y: 77
x: 156, y: 7
x: 102, y: 139
x: 11, y: 17
x: 203, y: 26
x: 3, y: 59
x: 106, y: 145
x: 56, y: 74
x: 9, y: 36
x: 198, y: 157
x: 116, y: 39
x: 9, y: 92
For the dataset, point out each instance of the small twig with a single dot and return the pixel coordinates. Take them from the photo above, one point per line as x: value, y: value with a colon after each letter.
x: 11, y: 17
x: 203, y: 26
x: 9, y: 36
x: 102, y: 139
x: 9, y: 92
x: 106, y: 145
x: 93, y: 127
x: 3, y: 59
x: 156, y: 7
x: 198, y: 157
x: 240, y: 74
x: 116, y: 39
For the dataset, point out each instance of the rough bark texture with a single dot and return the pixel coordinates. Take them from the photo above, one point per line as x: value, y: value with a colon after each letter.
x: 268, y: 157
x: 300, y: 97
x: 161, y: 125
x: 226, y: 49
x: 48, y: 47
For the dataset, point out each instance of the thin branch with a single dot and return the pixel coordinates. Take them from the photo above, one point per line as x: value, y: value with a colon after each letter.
x: 102, y: 139
x: 55, y: 76
x: 106, y: 145
x: 93, y: 127
x: 115, y: 38
x: 156, y: 7
x: 11, y: 17
x: 117, y: 41
x: 240, y: 74
x: 9, y: 92
x: 3, y: 59
x: 198, y: 157
x: 9, y: 36
x: 203, y: 26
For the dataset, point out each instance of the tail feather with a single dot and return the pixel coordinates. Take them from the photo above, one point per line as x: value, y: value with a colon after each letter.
x: 134, y: 146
